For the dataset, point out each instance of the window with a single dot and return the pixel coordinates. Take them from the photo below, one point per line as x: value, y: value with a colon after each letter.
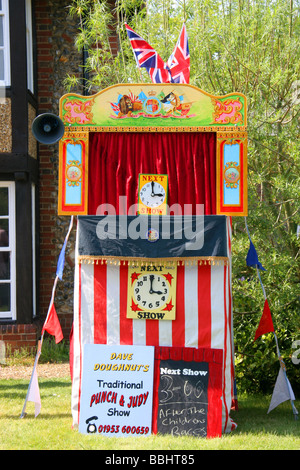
x: 4, y: 44
x: 7, y: 251
x: 29, y: 46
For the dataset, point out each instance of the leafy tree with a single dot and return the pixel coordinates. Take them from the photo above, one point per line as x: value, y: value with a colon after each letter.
x: 249, y: 46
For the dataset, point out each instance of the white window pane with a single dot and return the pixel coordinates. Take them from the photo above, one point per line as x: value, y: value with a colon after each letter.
x: 1, y: 64
x: 4, y: 297
x: 4, y: 266
x: 1, y: 32
x: 3, y: 201
x: 3, y: 233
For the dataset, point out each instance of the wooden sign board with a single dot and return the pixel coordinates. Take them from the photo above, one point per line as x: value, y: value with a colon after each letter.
x: 117, y: 389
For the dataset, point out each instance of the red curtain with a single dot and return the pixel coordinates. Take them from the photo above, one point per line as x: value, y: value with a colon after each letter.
x: 116, y: 159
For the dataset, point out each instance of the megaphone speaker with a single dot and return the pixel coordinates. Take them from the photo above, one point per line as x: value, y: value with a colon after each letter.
x: 48, y: 128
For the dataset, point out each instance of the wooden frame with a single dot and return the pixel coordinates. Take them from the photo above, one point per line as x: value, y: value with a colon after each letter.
x: 73, y: 174
x: 231, y: 173
x: 154, y: 108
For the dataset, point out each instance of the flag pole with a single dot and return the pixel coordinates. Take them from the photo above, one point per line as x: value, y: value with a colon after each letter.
x: 59, y: 271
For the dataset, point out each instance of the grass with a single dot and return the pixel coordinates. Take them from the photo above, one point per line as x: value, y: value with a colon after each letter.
x: 52, y: 352
x: 52, y: 429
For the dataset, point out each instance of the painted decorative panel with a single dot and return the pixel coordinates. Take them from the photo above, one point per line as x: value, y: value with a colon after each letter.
x: 153, y: 107
x: 232, y: 173
x: 73, y: 174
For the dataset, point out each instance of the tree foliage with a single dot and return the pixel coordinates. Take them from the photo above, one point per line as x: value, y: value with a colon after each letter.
x: 252, y: 47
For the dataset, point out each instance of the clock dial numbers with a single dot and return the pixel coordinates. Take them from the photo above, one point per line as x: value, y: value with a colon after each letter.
x: 152, y: 194
x: 151, y: 291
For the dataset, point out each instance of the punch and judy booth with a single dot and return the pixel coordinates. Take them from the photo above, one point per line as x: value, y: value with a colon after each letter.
x: 154, y: 173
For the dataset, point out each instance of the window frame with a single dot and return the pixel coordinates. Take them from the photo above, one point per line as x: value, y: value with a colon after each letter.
x: 4, y: 12
x: 11, y: 248
x: 29, y: 46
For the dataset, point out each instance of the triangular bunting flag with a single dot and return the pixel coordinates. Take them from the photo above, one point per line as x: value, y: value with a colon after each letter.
x: 266, y: 322
x: 34, y: 393
x: 61, y: 261
x: 52, y: 325
x: 252, y: 258
x: 282, y: 391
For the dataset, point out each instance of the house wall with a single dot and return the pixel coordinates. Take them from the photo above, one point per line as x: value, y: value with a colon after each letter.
x: 56, y: 57
x: 26, y: 162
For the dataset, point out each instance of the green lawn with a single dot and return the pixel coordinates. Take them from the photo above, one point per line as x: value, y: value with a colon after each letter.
x: 52, y: 429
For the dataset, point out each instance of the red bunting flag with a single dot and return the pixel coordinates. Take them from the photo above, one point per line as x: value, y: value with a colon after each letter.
x: 52, y: 325
x: 266, y: 322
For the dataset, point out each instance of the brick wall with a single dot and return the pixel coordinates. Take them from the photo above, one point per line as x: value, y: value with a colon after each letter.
x: 56, y: 56
x: 19, y: 336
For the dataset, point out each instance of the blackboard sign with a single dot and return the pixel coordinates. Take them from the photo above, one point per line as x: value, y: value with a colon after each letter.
x: 183, y: 398
x: 188, y: 385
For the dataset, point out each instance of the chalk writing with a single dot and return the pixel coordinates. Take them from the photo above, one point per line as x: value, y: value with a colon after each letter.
x: 182, y: 394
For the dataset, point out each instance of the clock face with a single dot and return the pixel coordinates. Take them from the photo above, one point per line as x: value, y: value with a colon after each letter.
x: 151, y: 292
x: 152, y: 194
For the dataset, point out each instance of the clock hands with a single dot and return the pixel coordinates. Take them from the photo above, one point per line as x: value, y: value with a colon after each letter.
x: 151, y: 291
x: 153, y: 193
x: 152, y: 186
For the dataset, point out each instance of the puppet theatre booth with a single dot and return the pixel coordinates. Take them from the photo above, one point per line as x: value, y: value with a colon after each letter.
x: 154, y: 173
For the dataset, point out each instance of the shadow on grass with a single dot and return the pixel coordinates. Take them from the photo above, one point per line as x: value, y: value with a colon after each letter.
x: 13, y: 390
x: 40, y: 417
x: 253, y: 417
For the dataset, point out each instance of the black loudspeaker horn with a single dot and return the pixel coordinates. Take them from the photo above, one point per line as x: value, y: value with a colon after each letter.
x: 48, y: 128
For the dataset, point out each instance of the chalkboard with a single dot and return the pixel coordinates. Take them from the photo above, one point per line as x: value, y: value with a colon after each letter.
x: 183, y: 398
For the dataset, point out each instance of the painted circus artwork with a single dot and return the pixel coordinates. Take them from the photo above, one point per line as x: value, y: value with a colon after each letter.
x: 159, y: 105
x: 150, y: 105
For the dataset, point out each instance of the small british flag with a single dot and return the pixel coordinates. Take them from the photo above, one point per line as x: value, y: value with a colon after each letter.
x: 175, y: 70
x: 179, y: 61
x: 147, y: 57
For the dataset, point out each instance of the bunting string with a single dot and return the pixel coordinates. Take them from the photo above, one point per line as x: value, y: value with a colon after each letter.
x: 52, y: 326
x: 252, y: 260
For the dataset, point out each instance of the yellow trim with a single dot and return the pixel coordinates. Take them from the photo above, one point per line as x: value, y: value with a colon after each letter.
x: 154, y: 129
x: 131, y: 260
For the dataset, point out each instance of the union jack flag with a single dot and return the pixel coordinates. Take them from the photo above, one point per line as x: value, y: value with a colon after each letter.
x: 179, y: 61
x: 175, y: 70
x: 147, y: 57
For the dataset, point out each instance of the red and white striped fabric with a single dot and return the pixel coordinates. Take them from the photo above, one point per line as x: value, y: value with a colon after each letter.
x: 203, y: 317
